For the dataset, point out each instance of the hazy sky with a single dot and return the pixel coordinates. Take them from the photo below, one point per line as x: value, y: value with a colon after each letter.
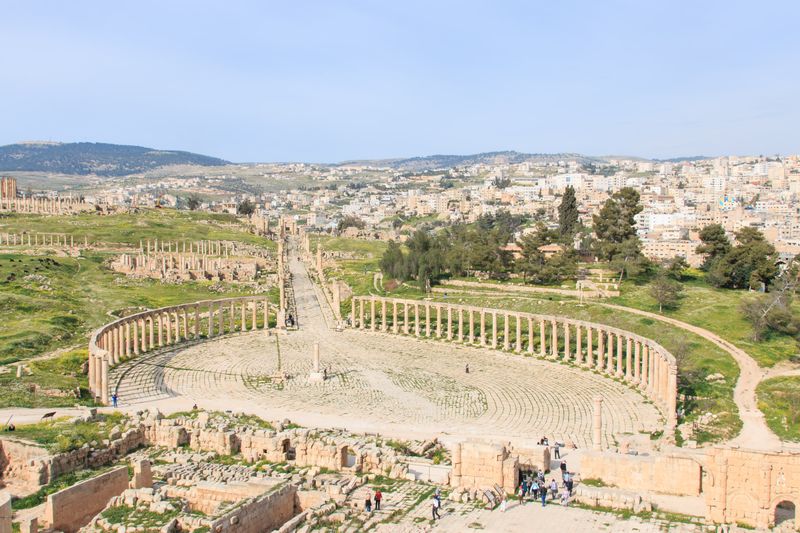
x: 328, y: 81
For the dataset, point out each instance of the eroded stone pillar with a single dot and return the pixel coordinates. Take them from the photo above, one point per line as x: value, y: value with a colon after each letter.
x: 542, y: 337
x: 637, y: 362
x: 518, y: 337
x: 567, y: 342
x: 460, y: 325
x: 482, y: 332
x: 384, y: 318
x: 416, y: 320
x: 449, y: 322
x: 597, y: 424
x: 471, y: 332
x: 405, y: 318
x: 530, y: 334
x: 628, y: 357
x: 395, y: 318
x: 506, y: 331
x: 578, y: 347
x: 494, y: 329
x: 589, y: 347
x: 372, y: 322
x: 553, y: 339
x: 104, y: 374
x: 438, y: 321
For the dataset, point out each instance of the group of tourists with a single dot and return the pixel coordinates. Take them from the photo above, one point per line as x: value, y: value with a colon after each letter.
x: 535, y: 487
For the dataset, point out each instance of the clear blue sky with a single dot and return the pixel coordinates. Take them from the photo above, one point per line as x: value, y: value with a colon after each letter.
x: 333, y: 80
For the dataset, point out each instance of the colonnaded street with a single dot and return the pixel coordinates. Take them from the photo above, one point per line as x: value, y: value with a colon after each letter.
x: 386, y: 383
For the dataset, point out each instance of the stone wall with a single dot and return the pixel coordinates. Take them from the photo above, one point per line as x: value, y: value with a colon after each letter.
x: 666, y: 473
x: 263, y: 513
x: 484, y: 465
x: 746, y: 486
x: 72, y: 508
x: 20, y: 463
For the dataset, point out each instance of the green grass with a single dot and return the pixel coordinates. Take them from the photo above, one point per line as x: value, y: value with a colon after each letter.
x: 52, y: 383
x: 779, y: 400
x: 124, y: 514
x: 63, y: 435
x: 130, y: 228
x: 716, y: 310
x: 50, y: 302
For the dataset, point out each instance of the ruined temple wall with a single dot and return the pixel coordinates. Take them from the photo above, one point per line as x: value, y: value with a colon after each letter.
x: 668, y: 473
x: 21, y: 465
x: 72, y: 508
x: 264, y: 513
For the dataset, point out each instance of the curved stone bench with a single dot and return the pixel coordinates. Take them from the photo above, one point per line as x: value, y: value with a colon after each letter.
x: 639, y: 361
x: 151, y: 330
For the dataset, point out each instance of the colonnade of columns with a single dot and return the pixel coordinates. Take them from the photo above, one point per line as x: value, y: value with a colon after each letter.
x: 154, y: 329
x: 639, y: 361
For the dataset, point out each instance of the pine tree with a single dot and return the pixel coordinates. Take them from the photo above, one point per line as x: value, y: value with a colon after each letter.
x: 568, y: 213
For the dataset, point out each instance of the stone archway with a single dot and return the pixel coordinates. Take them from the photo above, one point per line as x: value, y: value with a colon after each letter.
x: 785, y: 515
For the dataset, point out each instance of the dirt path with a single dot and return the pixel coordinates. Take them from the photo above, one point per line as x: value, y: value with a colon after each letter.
x: 755, y: 432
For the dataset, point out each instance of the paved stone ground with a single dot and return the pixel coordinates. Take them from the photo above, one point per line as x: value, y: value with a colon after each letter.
x: 387, y: 383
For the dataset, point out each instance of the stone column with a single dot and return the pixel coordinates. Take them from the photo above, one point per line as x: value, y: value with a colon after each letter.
x: 449, y: 322
x: 481, y: 327
x: 151, y: 327
x: 518, y: 340
x: 372, y: 323
x: 601, y: 349
x: 672, y: 397
x: 530, y: 334
x: 460, y: 324
x: 135, y: 324
x: 243, y: 318
x: 405, y: 318
x: 126, y: 330
x: 210, y: 319
x: 438, y: 321
x: 395, y: 318
x: 104, y: 378
x: 384, y: 321
x: 253, y: 316
x: 196, y: 325
x: 471, y: 320
x: 637, y: 362
x: 628, y: 357
x: 494, y: 329
x: 427, y: 319
x: 645, y: 384
x: 610, y: 354
x: 553, y: 339
x: 567, y: 343
x: 597, y: 424
x: 361, y: 313
x: 168, y: 327
x: 619, y: 355
x: 542, y: 337
x: 589, y: 347
x: 506, y: 331
x: 266, y: 313
x: 353, y: 311
x: 221, y: 318
x: 578, y: 347
x: 416, y: 320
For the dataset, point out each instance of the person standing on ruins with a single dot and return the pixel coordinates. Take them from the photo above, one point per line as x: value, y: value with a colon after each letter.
x: 378, y: 498
x: 368, y: 503
x: 435, y: 508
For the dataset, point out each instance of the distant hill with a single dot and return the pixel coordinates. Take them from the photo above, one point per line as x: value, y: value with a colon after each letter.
x: 446, y: 161
x: 94, y: 158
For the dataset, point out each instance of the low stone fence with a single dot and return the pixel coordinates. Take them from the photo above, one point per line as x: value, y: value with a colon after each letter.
x: 593, y: 290
x: 612, y: 498
x: 640, y: 362
x: 72, y: 508
x: 427, y: 471
x: 151, y: 330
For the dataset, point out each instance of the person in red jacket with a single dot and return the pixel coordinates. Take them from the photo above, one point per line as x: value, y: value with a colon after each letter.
x: 378, y: 497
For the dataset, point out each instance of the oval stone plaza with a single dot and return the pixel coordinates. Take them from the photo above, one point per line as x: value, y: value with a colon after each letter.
x: 375, y: 381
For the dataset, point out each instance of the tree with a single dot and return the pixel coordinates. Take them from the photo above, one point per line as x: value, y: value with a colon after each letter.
x: 501, y: 183
x: 676, y: 268
x: 193, y: 201
x: 350, y: 221
x: 665, y: 291
x: 752, y: 263
x: 714, y: 244
x: 393, y: 261
x: 246, y: 207
x: 568, y: 219
x: 536, y: 267
x: 773, y: 311
x: 615, y: 225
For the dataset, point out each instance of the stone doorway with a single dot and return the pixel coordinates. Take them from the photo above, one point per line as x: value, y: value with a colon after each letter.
x: 348, y: 458
x: 786, y: 516
x: 289, y: 453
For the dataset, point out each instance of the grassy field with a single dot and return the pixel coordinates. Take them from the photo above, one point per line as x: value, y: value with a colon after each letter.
x: 130, y: 228
x: 779, y: 400
x: 49, y: 302
x: 716, y: 310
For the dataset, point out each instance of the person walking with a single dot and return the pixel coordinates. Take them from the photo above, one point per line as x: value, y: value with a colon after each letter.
x: 565, y: 497
x: 521, y: 493
x: 568, y: 482
x: 378, y: 498
x: 368, y: 504
x: 553, y: 488
x: 543, y: 494
x: 563, y: 467
x: 435, y: 503
x: 114, y: 399
x: 557, y: 450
